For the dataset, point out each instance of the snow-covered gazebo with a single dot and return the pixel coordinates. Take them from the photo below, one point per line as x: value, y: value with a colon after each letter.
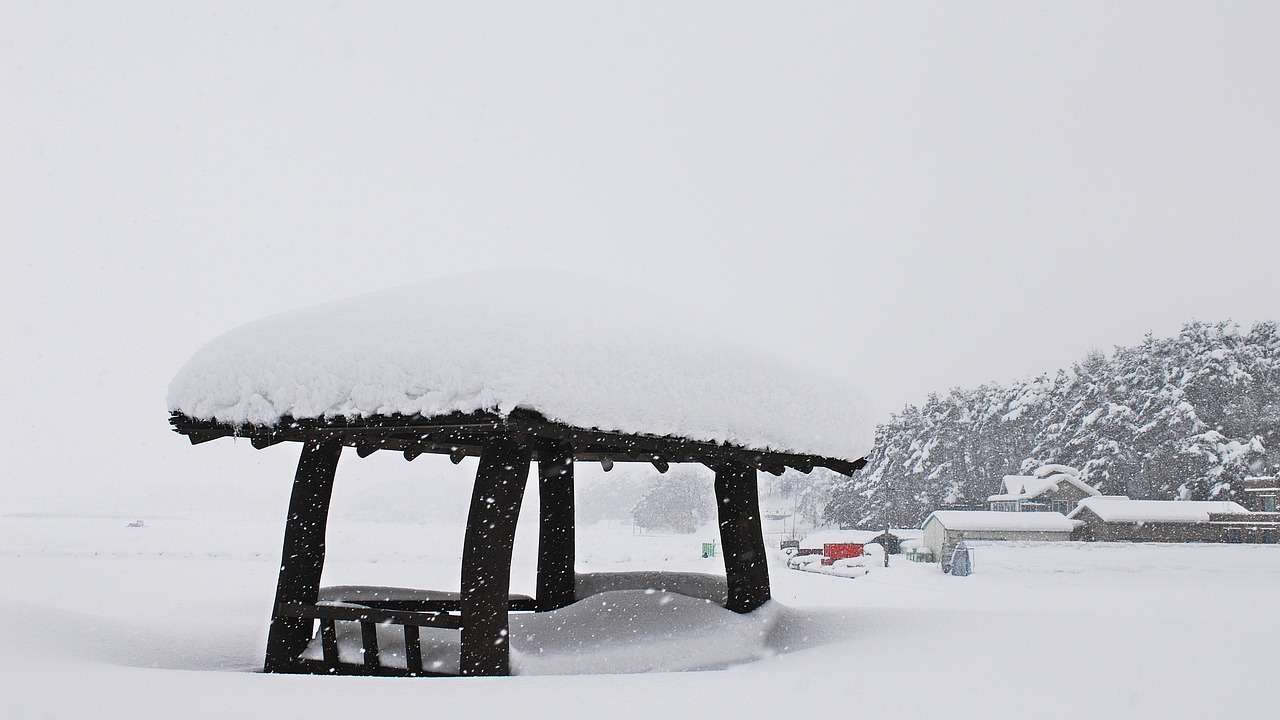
x: 513, y: 368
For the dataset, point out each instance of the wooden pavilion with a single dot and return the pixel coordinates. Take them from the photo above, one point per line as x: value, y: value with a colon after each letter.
x: 506, y: 447
x: 512, y: 367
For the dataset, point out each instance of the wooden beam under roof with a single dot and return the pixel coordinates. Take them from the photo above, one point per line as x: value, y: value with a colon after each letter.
x: 464, y: 434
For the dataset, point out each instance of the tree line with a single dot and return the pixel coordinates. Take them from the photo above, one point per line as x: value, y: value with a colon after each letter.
x: 1183, y: 417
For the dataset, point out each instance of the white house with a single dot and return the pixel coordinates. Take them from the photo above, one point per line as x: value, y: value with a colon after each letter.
x: 1051, y: 488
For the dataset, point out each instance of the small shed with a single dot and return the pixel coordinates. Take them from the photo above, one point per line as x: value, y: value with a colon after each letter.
x: 514, y: 368
x: 1051, y: 488
x: 1112, y: 518
x: 944, y: 529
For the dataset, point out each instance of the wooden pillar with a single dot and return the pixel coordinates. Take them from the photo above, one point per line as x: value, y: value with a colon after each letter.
x: 486, y: 556
x: 556, y: 542
x: 302, y: 559
x: 738, y: 504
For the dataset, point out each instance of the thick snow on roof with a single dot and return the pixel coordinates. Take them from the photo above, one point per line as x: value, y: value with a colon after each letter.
x: 1118, y: 508
x: 1023, y: 487
x: 1044, y: 479
x: 1055, y: 469
x: 579, y: 350
x: 991, y: 520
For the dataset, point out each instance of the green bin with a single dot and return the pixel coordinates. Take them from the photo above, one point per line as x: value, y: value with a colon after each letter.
x: 708, y: 550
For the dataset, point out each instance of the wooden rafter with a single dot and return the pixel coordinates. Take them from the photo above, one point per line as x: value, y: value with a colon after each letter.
x: 461, y: 435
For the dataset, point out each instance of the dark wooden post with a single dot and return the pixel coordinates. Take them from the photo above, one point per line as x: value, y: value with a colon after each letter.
x: 556, y: 548
x: 302, y: 560
x: 486, y: 556
x: 738, y: 504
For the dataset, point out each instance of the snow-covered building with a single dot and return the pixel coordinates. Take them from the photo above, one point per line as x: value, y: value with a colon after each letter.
x: 1112, y: 518
x: 944, y: 529
x: 1263, y: 493
x: 1051, y: 488
x: 890, y: 540
x: 513, y: 368
x: 1253, y: 527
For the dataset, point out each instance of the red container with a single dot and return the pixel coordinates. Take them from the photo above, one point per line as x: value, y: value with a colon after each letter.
x: 841, y: 551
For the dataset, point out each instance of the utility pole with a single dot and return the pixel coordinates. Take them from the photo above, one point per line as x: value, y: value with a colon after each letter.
x: 888, y: 510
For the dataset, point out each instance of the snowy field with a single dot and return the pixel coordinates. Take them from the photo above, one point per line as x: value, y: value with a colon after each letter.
x: 170, y: 619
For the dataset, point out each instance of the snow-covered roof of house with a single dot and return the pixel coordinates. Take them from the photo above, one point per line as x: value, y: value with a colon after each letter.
x: 994, y: 520
x: 1118, y: 508
x: 581, y: 351
x: 1055, y: 469
x: 1044, y: 479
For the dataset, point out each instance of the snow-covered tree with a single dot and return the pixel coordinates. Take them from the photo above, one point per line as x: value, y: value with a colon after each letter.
x: 1187, y: 417
x: 680, y: 501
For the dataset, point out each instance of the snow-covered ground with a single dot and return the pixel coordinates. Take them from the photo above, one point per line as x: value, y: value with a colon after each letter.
x: 169, y: 620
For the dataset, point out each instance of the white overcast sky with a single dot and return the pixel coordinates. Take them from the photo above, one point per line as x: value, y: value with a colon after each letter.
x: 931, y: 194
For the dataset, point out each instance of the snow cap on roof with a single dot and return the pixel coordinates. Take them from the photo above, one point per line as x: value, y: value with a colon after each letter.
x: 994, y: 520
x: 585, y: 352
x: 1044, y: 479
x: 1118, y: 508
x: 1055, y: 469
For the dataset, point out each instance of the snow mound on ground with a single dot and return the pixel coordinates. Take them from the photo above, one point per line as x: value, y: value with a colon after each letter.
x: 581, y: 351
x: 630, y: 631
x: 620, y: 631
x: 703, y: 586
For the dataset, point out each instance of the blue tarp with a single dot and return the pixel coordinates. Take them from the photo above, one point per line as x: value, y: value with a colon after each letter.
x: 962, y: 561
